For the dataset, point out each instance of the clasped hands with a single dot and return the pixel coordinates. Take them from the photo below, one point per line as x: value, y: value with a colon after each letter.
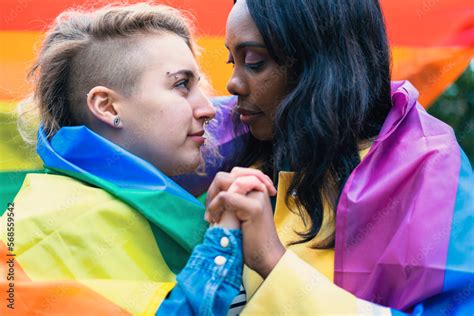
x: 241, y: 199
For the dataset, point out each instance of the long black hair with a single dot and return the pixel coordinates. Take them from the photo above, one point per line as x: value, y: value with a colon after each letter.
x: 337, y: 57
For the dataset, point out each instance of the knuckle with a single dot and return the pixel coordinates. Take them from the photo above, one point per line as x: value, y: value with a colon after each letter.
x: 221, y: 197
x: 239, y: 182
x: 259, y: 172
x: 220, y: 175
x: 236, y: 169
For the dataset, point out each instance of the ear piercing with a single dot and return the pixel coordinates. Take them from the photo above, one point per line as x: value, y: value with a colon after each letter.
x: 117, y: 121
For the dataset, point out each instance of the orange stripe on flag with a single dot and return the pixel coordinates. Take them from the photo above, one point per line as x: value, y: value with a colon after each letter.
x: 213, y: 63
x: 15, y: 62
x: 431, y: 70
x: 50, y: 298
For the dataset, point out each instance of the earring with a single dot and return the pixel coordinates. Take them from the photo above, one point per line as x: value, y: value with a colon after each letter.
x: 117, y: 121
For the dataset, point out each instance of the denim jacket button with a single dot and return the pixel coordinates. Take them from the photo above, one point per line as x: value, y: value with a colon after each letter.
x: 224, y: 242
x: 220, y: 260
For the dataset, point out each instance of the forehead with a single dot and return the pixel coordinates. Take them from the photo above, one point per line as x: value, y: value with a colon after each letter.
x: 240, y: 25
x: 167, y: 51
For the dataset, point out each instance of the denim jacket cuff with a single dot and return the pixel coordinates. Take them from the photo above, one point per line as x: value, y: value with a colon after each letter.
x: 220, y: 255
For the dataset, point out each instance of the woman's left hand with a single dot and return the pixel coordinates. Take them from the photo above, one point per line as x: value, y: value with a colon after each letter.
x: 261, y: 245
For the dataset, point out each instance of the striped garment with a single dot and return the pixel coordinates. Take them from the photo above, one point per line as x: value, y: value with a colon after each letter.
x: 238, y: 303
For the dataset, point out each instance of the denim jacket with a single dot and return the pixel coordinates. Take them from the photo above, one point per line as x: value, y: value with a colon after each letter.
x: 212, y: 277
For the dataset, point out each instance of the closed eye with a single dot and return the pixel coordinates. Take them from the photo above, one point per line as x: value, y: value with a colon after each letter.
x: 255, y: 66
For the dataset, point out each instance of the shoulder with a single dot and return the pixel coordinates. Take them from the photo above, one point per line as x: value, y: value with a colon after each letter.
x: 54, y: 188
x: 65, y: 198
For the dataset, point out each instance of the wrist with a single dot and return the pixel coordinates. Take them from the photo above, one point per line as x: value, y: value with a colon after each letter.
x: 228, y: 220
x: 271, y: 260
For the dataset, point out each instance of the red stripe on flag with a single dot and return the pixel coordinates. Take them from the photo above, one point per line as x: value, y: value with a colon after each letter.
x: 423, y: 23
x: 36, y: 15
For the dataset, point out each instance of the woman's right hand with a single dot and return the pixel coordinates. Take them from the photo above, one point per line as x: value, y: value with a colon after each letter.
x: 242, y: 185
x: 224, y: 181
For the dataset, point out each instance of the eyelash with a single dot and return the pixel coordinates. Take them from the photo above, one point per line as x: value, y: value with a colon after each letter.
x: 255, y: 66
x: 181, y: 82
x: 252, y: 67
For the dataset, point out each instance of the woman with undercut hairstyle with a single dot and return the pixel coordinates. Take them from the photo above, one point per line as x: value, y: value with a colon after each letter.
x: 105, y: 230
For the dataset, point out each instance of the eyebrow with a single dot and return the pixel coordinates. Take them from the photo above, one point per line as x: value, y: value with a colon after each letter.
x: 187, y: 72
x: 248, y: 44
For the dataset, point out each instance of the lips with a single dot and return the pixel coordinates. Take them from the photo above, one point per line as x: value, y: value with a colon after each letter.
x: 198, y: 137
x: 249, y: 116
x: 247, y: 112
x: 200, y: 133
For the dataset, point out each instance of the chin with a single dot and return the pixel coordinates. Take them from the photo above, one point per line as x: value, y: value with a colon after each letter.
x: 190, y: 163
x: 261, y: 134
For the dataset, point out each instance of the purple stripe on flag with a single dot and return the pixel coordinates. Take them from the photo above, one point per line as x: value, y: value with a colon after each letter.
x: 395, y: 212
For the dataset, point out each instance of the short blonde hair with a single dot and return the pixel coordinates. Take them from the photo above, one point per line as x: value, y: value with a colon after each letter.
x: 85, y: 48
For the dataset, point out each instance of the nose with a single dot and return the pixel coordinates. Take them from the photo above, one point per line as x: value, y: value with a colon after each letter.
x: 237, y: 84
x: 203, y: 108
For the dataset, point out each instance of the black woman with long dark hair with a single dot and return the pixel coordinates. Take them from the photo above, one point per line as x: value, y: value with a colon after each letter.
x: 374, y: 210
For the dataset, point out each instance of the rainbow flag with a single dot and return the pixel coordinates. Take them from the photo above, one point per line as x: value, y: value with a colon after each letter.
x: 404, y: 225
x: 432, y: 43
x: 97, y: 248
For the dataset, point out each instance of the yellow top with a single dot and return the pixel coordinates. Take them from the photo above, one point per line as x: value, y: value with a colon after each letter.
x: 288, y: 223
x: 302, y: 281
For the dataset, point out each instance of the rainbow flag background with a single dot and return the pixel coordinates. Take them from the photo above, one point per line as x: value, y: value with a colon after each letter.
x: 432, y: 43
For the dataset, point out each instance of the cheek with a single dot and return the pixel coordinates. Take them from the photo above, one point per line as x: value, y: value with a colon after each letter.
x: 271, y: 92
x: 148, y: 121
x: 174, y: 122
x: 167, y: 109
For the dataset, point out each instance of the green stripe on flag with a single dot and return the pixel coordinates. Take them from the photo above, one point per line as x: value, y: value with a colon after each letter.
x: 10, y: 184
x: 177, y: 224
